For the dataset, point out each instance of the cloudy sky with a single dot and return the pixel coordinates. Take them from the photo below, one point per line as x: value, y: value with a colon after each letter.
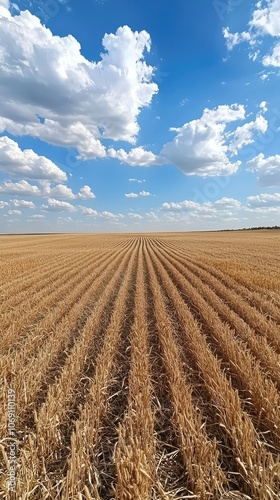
x: 125, y: 115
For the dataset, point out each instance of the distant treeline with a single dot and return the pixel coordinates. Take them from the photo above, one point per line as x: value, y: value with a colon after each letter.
x: 251, y: 228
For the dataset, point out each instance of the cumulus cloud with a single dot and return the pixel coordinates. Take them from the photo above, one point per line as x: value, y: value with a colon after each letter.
x: 263, y: 106
x: 223, y: 204
x: 57, y: 206
x: 244, y: 134
x: 265, y: 18
x: 265, y: 21
x: 4, y: 8
x: 136, y: 195
x: 267, y: 169
x: 85, y: 193
x: 58, y: 191
x: 192, y: 212
x: 64, y: 192
x: 152, y: 217
x: 137, y: 180
x: 14, y: 212
x: 133, y: 215
x: 131, y: 195
x: 186, y: 205
x: 22, y: 188
x: 73, y: 135
x: 38, y: 216
x: 22, y: 203
x: 109, y: 215
x: 264, y: 200
x: 145, y: 193
x: 226, y: 203
x: 201, y: 146
x: 3, y: 204
x: 136, y: 157
x: 27, y: 163
x: 233, y: 39
x: 273, y: 59
x: 87, y: 211
x: 51, y: 91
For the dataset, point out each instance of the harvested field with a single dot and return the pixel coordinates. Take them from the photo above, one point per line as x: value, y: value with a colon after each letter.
x: 140, y: 366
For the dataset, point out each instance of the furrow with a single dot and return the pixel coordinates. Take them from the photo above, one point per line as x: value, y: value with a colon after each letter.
x: 44, y: 336
x: 260, y: 390
x: 46, y: 448
x: 256, y: 300
x: 200, y: 456
x: 135, y: 451
x: 258, y: 345
x: 84, y: 440
x: 255, y: 464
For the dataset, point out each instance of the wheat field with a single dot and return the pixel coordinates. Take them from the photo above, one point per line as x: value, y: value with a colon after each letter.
x: 140, y: 366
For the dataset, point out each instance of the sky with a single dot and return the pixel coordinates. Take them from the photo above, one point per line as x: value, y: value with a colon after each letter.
x: 139, y: 116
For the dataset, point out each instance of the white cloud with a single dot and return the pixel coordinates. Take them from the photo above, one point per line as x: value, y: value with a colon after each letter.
x: 87, y: 211
x: 22, y: 188
x: 267, y: 169
x: 3, y: 204
x: 200, y: 146
x: 58, y: 191
x: 51, y: 91
x: 221, y: 206
x: 133, y: 215
x: 4, y: 8
x: 22, y: 203
x: 85, y: 193
x: 4, y: 4
x: 37, y: 216
x: 137, y: 180
x: 56, y: 205
x: 27, y: 163
x: 14, y: 212
x: 226, y: 203
x: 73, y: 135
x: 197, y: 214
x: 186, y: 205
x: 266, y: 18
x: 253, y: 56
x: 274, y: 58
x: 136, y: 157
x: 145, y: 193
x: 61, y: 220
x: 152, y: 216
x: 110, y: 215
x: 136, y: 195
x: 264, y: 200
x: 64, y: 192
x: 131, y: 195
x: 233, y: 39
x: 244, y: 134
x: 263, y: 106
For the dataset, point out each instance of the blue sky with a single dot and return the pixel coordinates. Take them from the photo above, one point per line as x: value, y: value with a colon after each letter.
x: 124, y: 116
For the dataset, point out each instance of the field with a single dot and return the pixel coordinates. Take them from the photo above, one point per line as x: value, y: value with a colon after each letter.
x: 138, y: 367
